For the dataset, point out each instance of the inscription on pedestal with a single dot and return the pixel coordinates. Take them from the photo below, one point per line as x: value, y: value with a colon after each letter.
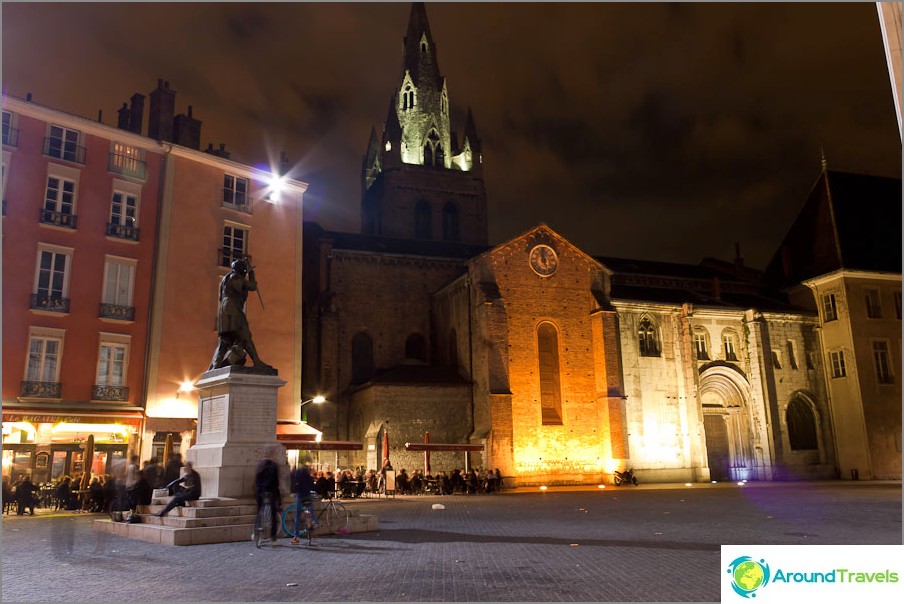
x: 254, y: 419
x: 213, y: 415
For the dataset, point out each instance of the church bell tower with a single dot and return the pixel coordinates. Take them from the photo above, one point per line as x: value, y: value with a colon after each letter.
x: 418, y: 180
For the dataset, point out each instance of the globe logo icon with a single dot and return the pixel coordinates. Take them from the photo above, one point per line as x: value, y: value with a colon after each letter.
x: 748, y: 575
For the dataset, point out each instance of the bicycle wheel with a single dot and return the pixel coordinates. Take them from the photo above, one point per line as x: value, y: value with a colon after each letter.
x: 288, y: 522
x: 262, y: 528
x: 333, y: 516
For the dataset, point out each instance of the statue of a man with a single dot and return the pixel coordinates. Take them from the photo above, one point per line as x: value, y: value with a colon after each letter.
x: 232, y: 325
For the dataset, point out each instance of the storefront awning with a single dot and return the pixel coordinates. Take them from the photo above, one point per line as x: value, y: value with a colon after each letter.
x: 434, y: 447
x: 41, y: 416
x: 300, y: 432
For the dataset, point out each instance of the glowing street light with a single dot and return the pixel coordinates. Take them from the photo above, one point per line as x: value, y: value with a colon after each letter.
x: 317, y: 400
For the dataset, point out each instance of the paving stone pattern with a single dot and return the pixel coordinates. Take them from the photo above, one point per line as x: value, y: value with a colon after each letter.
x: 647, y: 543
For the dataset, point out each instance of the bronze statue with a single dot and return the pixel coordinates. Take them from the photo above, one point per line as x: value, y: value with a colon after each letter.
x: 232, y: 325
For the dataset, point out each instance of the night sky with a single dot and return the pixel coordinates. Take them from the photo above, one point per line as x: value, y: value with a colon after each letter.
x: 653, y: 131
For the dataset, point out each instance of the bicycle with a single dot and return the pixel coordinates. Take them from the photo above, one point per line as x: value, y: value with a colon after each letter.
x: 263, y: 521
x: 328, y: 513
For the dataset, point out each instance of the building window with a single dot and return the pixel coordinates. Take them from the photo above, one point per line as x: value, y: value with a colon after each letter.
x: 701, y: 343
x: 362, y: 358
x: 123, y: 216
x: 450, y: 222
x: 776, y: 360
x: 52, y: 281
x: 10, y: 134
x: 111, y: 364
x: 898, y: 305
x: 42, y: 371
x: 433, y: 150
x: 801, y: 426
x: 235, y: 193
x: 837, y: 359
x: 407, y: 98
x: 882, y: 363
x: 550, y: 389
x: 116, y: 301
x: 63, y: 143
x: 235, y: 244
x: 422, y: 220
x: 647, y: 338
x: 59, y: 202
x: 829, y: 310
x: 730, y: 345
x: 128, y: 161
x: 873, y: 304
x: 792, y: 357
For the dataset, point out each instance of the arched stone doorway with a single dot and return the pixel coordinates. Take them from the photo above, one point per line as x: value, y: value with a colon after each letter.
x: 726, y: 424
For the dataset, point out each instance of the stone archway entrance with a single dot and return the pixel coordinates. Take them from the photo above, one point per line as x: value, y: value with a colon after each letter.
x: 726, y: 425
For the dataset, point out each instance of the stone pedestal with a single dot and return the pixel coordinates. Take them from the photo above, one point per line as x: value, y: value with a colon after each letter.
x: 236, y: 429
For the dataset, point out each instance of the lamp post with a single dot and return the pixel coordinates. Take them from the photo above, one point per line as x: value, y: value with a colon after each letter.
x: 316, y: 400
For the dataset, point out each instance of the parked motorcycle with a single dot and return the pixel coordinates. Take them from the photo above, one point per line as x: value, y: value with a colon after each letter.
x: 626, y: 477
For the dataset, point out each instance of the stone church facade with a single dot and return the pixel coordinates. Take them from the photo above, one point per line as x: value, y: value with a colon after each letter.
x: 564, y: 366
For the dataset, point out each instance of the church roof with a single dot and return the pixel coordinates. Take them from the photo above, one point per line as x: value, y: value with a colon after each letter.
x: 849, y: 221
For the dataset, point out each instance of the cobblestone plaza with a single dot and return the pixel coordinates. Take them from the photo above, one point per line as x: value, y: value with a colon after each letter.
x: 647, y: 543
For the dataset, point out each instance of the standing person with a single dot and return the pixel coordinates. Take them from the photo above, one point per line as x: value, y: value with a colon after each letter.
x: 7, y: 492
x: 190, y: 490
x: 232, y: 324
x: 303, y: 485
x: 132, y: 480
x: 152, y: 472
x: 172, y: 471
x: 25, y: 495
x: 266, y: 480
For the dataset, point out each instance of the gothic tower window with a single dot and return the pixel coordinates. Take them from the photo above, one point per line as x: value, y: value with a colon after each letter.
x: 433, y: 150
x: 422, y: 226
x: 647, y: 338
x: 450, y: 222
x: 362, y: 358
x: 550, y: 389
x: 416, y: 347
x: 407, y: 98
x: 801, y: 426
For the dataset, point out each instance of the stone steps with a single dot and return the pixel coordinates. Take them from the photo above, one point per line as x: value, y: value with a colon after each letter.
x: 209, y: 521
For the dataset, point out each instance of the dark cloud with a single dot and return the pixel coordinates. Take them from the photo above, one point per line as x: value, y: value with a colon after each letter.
x: 663, y: 131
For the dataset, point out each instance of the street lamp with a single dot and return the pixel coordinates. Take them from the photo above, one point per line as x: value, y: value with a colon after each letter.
x: 316, y: 400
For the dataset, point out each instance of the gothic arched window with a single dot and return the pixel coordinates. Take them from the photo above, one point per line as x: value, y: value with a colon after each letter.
x: 801, y: 426
x: 416, y: 347
x: 407, y: 98
x: 550, y: 389
x: 433, y: 150
x: 647, y: 338
x: 362, y: 358
x: 450, y: 222
x: 422, y: 227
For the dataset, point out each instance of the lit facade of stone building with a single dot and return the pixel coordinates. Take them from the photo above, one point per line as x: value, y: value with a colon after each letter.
x: 563, y: 366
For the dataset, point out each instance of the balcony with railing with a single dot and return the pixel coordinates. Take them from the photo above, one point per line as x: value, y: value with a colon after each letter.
x: 60, y: 219
x: 109, y: 393
x: 41, y: 389
x: 117, y: 312
x: 49, y: 302
x: 235, y: 200
x: 128, y: 165
x: 11, y: 137
x: 122, y: 231
x: 54, y: 147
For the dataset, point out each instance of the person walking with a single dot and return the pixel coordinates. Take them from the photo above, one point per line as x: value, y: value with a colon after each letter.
x: 303, y: 485
x: 266, y: 481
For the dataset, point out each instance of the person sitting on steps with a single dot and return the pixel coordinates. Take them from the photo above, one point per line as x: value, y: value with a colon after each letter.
x: 191, y: 489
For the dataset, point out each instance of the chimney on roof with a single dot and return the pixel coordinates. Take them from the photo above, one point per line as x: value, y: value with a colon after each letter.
x: 739, y: 260
x: 187, y: 130
x: 221, y: 152
x: 123, y: 121
x: 100, y: 116
x: 716, y: 288
x: 28, y: 97
x: 160, y: 114
x: 284, y: 165
x: 136, y: 113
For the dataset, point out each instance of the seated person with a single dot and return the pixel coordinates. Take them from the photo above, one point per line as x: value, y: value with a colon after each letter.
x: 321, y: 486
x: 190, y: 491
x: 403, y: 485
x: 343, y: 484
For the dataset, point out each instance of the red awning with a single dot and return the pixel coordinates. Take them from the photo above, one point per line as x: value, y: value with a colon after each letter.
x: 433, y: 447
x: 296, y: 432
x: 323, y: 445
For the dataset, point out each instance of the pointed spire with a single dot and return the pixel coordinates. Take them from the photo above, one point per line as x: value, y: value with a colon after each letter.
x: 822, y: 159
x: 471, y: 133
x: 420, y: 53
x: 373, y: 148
